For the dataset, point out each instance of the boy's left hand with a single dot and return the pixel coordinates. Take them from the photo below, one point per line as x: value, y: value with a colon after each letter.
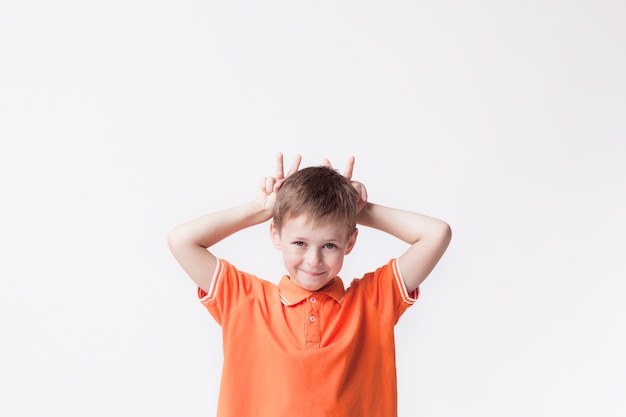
x: 358, y: 186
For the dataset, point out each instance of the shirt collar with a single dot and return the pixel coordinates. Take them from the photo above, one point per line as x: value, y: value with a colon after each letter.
x: 291, y: 294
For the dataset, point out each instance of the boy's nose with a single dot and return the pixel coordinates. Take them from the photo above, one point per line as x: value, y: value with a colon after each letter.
x: 314, y: 257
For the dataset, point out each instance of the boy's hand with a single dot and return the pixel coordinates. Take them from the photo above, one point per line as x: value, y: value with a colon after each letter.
x: 269, y: 186
x: 360, y: 188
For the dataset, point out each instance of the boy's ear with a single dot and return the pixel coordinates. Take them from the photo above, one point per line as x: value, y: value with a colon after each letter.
x: 275, y: 235
x: 352, y: 241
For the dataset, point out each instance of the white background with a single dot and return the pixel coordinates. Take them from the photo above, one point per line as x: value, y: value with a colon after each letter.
x: 121, y: 119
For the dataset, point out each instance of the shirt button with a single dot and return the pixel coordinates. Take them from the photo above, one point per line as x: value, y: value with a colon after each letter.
x: 312, y: 299
x: 311, y: 319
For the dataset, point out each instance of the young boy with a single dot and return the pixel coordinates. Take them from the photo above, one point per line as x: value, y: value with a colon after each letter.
x: 308, y: 346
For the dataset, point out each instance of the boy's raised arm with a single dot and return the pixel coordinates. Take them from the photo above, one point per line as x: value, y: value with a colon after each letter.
x: 429, y: 238
x: 189, y: 242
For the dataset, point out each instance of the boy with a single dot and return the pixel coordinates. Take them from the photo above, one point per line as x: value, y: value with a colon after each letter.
x: 308, y: 346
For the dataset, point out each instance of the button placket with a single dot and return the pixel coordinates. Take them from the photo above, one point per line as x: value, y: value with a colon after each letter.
x: 312, y: 326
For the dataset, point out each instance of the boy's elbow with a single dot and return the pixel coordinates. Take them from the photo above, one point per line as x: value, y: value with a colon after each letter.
x: 447, y: 230
x: 174, y: 239
x: 445, y: 233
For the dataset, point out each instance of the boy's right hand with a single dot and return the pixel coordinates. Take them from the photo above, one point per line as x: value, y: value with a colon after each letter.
x: 269, y: 186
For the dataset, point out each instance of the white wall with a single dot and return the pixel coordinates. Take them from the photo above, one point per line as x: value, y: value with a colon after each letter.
x: 120, y: 119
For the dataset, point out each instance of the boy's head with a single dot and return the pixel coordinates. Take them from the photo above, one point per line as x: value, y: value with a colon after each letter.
x: 319, y: 193
x: 314, y: 224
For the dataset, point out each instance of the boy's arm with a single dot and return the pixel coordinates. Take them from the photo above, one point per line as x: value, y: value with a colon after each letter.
x: 428, y: 237
x: 189, y: 242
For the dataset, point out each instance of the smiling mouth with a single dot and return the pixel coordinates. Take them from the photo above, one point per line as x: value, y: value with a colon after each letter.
x: 312, y: 273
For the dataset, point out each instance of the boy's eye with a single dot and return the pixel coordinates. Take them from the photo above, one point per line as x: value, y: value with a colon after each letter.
x: 298, y: 243
x: 330, y: 246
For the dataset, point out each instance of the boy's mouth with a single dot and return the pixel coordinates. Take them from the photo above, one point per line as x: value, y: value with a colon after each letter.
x: 313, y: 273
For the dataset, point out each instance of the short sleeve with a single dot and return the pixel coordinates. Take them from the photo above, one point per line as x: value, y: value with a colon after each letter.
x: 229, y: 289
x: 385, y: 289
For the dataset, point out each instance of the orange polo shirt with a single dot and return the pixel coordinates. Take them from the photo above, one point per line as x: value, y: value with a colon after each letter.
x: 291, y: 352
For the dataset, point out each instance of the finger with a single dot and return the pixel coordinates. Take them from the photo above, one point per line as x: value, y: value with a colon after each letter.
x: 266, y: 184
x: 269, y: 184
x: 360, y: 189
x: 280, y: 173
x: 327, y: 164
x: 349, y: 168
x: 295, y: 165
x: 263, y: 185
x: 363, y: 194
x: 277, y: 186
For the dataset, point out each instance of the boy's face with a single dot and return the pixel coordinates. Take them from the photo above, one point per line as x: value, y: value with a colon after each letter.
x: 312, y: 252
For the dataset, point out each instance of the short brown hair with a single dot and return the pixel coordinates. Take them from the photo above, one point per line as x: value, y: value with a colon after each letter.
x: 320, y: 193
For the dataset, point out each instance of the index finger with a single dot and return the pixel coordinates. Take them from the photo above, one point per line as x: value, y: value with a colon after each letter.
x: 280, y: 173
